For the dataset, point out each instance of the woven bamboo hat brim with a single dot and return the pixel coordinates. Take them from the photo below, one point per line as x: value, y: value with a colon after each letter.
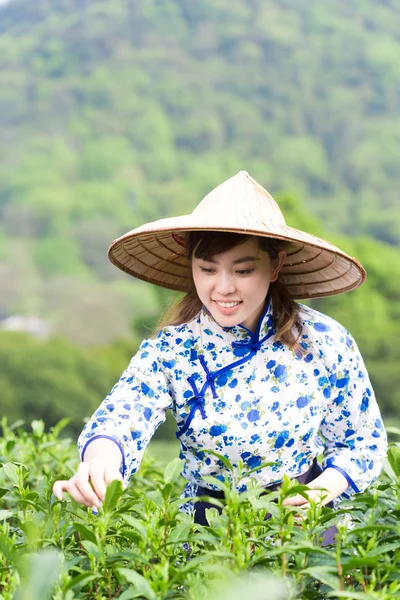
x: 156, y: 252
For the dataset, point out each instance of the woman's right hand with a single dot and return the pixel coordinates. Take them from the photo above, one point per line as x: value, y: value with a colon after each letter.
x: 100, y: 467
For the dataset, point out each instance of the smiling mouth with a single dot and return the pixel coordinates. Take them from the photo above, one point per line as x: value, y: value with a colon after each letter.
x: 227, y: 304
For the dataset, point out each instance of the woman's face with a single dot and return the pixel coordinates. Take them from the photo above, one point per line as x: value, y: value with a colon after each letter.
x: 233, y: 285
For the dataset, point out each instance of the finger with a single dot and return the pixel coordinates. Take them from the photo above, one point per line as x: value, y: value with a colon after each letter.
x: 111, y: 473
x: 68, y: 486
x: 76, y: 495
x: 298, y: 520
x: 98, y: 479
x: 83, y: 487
x: 320, y: 497
x: 59, y: 487
x: 296, y: 500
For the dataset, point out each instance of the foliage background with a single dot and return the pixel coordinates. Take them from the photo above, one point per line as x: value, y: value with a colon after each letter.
x: 112, y: 114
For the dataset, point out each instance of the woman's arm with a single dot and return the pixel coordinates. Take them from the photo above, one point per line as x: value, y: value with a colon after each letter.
x: 133, y: 410
x: 116, y: 436
x: 355, y: 438
x: 354, y: 434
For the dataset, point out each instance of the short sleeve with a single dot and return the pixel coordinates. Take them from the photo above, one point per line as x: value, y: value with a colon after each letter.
x: 134, y: 408
x: 355, y: 438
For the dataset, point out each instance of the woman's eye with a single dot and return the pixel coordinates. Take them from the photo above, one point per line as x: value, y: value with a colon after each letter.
x: 245, y: 271
x: 205, y: 270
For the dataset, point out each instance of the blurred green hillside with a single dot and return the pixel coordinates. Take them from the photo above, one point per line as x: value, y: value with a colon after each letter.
x: 116, y: 113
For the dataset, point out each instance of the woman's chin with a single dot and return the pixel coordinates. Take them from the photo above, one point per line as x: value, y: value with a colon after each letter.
x: 225, y: 320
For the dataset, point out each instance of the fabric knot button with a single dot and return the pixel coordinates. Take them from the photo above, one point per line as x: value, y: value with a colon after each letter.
x: 197, y: 402
x: 255, y: 347
x: 250, y: 346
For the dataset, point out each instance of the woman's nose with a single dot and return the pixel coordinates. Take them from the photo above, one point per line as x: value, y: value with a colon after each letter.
x: 225, y: 285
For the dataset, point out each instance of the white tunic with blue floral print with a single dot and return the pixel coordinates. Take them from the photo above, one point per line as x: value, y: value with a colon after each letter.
x: 248, y: 397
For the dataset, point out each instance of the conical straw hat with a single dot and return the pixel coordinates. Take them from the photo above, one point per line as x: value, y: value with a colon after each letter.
x: 156, y: 252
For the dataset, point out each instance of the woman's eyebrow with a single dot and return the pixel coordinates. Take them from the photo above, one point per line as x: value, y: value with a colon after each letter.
x: 245, y: 259
x: 242, y: 259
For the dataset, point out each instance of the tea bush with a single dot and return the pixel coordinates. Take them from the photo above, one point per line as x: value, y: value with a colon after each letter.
x: 140, y: 545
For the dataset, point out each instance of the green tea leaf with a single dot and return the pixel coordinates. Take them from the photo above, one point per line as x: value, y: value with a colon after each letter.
x: 38, y: 428
x: 167, y: 490
x: 11, y: 472
x: 136, y: 524
x: 325, y: 574
x: 156, y: 497
x: 384, y: 549
x: 58, y: 427
x: 193, y: 564
x: 388, y: 469
x: 262, y: 466
x: 357, y: 562
x: 127, y: 555
x: 393, y: 456
x: 10, y: 445
x: 16, y: 424
x: 6, y: 547
x: 129, y: 594
x: 179, y: 534
x: 351, y: 595
x: 80, y: 580
x: 92, y: 549
x: 85, y: 532
x: 30, y: 529
x: 113, y: 494
x: 395, y: 430
x: 5, y: 514
x: 222, y: 458
x: 142, y: 586
x: 303, y: 490
x: 221, y: 485
x: 173, y: 470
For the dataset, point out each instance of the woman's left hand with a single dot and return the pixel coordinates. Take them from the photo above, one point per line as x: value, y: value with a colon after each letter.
x: 325, y: 488
x: 316, y: 495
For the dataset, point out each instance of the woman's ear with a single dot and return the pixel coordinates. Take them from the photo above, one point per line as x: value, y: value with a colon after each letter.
x: 277, y: 265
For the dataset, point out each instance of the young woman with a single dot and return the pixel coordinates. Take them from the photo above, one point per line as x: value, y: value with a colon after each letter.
x: 247, y: 372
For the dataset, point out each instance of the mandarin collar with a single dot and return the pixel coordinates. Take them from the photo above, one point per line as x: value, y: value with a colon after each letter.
x: 240, y: 332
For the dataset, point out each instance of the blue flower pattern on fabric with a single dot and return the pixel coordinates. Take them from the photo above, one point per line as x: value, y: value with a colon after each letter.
x: 250, y: 398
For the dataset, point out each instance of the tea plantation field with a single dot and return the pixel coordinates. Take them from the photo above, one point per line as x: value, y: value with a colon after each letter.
x: 141, y: 546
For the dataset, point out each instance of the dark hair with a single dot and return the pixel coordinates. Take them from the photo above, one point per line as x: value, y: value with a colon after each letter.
x: 206, y: 244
